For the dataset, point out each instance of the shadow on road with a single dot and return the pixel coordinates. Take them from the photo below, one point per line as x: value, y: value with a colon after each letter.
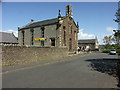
x: 106, y: 65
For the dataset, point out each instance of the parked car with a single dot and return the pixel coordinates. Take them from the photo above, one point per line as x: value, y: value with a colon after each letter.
x: 113, y: 52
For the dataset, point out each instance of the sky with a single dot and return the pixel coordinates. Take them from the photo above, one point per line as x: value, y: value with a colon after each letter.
x: 95, y: 18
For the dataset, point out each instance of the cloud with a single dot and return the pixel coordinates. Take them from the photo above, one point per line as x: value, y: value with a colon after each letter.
x: 82, y: 35
x: 11, y: 31
x: 110, y: 29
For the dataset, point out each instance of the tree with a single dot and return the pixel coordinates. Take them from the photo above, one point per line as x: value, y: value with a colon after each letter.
x: 117, y: 14
x: 117, y: 32
x: 107, y: 39
x: 117, y: 37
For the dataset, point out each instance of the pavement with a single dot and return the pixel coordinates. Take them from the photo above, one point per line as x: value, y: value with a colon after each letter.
x: 78, y: 71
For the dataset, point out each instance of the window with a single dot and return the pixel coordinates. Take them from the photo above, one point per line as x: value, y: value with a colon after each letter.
x: 64, y: 38
x: 75, y: 35
x: 42, y: 32
x: 70, y: 44
x: 52, y: 41
x: 64, y: 27
x: 23, y: 34
x: 32, y: 36
x: 71, y: 29
x: 42, y: 35
x: 64, y: 35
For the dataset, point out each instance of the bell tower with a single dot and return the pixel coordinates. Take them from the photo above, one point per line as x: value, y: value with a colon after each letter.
x: 69, y: 11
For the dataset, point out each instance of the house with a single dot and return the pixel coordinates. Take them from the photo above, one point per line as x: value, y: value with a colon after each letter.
x: 8, y: 38
x: 58, y: 32
x: 88, y: 44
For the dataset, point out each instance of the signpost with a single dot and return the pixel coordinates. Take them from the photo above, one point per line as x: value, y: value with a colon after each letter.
x: 40, y: 39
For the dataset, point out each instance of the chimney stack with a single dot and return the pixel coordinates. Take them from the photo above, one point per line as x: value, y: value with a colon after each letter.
x: 69, y: 11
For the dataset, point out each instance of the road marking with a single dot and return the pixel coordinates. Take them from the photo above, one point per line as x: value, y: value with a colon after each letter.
x: 25, y: 68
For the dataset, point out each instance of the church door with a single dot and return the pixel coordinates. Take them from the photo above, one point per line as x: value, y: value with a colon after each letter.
x: 52, y: 41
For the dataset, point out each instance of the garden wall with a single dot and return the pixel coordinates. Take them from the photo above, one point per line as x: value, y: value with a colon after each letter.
x: 14, y: 55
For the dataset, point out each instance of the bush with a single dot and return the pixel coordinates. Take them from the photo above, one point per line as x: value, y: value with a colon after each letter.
x: 118, y: 51
x: 106, y: 51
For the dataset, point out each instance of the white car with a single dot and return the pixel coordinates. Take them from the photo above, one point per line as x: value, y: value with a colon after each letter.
x: 113, y: 51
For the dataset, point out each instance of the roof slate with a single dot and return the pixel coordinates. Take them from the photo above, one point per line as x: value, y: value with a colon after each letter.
x: 7, y: 38
x: 41, y: 23
x: 87, y: 41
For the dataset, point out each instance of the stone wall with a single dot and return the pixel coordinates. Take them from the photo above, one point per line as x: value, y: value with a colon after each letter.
x: 49, y: 32
x: 70, y: 30
x: 14, y: 55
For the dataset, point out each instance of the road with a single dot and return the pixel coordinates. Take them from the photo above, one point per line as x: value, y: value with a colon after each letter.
x: 75, y: 72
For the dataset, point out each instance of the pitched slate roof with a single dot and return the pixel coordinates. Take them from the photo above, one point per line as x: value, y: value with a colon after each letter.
x: 41, y: 23
x: 87, y: 41
x: 7, y: 38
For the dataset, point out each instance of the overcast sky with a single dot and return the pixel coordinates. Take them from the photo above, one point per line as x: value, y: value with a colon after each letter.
x: 95, y: 18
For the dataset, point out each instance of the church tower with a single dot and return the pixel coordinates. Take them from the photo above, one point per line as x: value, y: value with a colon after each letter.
x: 69, y: 11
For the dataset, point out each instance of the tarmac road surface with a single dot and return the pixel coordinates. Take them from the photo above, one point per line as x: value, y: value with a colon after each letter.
x: 87, y: 71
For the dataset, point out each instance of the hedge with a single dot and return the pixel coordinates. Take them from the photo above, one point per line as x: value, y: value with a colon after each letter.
x: 106, y: 51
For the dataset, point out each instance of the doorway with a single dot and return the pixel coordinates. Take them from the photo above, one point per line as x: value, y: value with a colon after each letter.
x: 52, y: 41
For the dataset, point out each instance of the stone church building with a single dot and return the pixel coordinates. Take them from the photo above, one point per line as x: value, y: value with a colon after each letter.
x: 59, y: 32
